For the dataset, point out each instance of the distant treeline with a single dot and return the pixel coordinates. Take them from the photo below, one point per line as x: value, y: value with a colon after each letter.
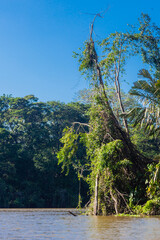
x: 29, y: 141
x: 30, y: 133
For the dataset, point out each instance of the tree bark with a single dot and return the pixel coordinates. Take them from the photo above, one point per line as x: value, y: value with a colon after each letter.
x: 115, y: 201
x: 96, y: 195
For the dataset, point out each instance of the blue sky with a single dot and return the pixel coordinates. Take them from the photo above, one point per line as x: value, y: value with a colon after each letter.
x: 38, y: 38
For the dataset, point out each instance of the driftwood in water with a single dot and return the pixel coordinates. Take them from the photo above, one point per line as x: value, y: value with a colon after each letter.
x: 72, y: 213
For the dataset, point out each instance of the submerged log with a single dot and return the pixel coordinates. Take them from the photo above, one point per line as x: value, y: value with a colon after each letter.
x: 72, y: 213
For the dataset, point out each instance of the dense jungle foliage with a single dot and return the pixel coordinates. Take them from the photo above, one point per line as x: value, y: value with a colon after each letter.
x: 102, y: 151
x: 29, y: 141
x: 30, y: 133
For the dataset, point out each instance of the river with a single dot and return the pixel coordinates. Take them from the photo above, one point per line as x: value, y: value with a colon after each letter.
x: 37, y: 224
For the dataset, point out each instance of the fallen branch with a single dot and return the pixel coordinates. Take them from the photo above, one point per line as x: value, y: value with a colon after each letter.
x: 72, y: 214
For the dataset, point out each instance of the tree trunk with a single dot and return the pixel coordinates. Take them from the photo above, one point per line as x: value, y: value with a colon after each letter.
x: 96, y: 195
x: 111, y: 124
x: 112, y: 128
x: 79, y: 195
x: 115, y: 201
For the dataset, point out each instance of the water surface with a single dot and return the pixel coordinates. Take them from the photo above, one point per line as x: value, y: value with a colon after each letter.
x: 57, y: 224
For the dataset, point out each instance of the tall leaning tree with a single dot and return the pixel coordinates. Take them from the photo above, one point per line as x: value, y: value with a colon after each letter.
x: 111, y: 126
x: 117, y: 169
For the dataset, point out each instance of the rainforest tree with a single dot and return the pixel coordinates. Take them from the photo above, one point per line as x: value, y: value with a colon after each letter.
x: 118, y: 171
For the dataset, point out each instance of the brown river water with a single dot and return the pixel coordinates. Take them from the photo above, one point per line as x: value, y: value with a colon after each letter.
x: 60, y: 224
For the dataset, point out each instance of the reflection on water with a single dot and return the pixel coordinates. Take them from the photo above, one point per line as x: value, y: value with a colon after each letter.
x: 48, y: 224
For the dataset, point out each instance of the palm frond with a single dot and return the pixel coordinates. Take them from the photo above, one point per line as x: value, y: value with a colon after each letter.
x: 148, y: 116
x: 145, y: 74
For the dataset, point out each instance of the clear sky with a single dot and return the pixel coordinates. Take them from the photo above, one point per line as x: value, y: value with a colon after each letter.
x: 38, y: 38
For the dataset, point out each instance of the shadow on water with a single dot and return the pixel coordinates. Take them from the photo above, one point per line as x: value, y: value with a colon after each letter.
x: 36, y: 224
